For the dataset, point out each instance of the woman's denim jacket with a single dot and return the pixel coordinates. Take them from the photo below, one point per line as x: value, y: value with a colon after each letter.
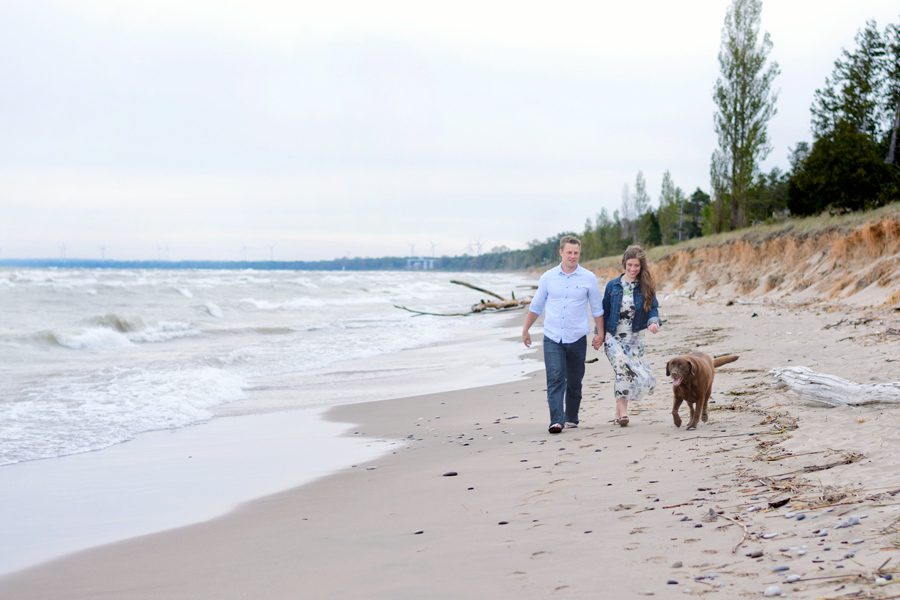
x: 612, y: 304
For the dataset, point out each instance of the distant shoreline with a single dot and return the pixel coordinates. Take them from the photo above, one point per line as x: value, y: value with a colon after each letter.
x: 383, y: 264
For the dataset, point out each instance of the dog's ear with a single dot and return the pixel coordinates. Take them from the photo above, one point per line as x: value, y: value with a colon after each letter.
x: 668, y: 370
x: 690, y: 365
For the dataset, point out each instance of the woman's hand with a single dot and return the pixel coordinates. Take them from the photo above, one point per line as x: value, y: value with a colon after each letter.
x: 653, y: 327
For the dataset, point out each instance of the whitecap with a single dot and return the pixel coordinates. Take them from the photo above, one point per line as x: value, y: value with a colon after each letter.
x: 164, y: 331
x: 94, y: 338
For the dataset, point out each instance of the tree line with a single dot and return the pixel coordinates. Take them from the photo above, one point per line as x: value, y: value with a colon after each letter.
x: 850, y: 165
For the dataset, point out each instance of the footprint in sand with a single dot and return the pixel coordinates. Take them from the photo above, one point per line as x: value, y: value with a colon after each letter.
x: 632, y: 546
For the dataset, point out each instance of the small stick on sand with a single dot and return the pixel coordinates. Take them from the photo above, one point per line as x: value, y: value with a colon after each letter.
x: 677, y: 505
x: 744, y: 527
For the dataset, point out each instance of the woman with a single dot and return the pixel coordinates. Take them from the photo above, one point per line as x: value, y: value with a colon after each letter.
x: 630, y: 307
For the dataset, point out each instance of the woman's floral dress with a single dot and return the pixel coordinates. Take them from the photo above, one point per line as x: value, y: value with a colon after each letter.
x: 625, y: 350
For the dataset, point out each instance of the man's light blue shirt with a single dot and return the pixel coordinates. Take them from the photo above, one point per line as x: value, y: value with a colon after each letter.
x: 564, y: 298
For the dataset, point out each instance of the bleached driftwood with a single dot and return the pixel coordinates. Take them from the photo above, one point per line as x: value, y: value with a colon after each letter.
x: 832, y: 390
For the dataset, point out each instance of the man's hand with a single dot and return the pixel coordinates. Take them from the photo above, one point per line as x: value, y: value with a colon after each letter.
x: 526, y: 339
x: 597, y: 342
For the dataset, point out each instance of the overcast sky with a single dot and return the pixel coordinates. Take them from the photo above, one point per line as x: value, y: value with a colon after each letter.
x: 311, y: 130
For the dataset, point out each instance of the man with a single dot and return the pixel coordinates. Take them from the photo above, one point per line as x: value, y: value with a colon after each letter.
x: 563, y: 296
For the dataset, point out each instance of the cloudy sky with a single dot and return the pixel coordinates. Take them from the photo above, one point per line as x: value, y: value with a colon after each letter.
x: 225, y: 129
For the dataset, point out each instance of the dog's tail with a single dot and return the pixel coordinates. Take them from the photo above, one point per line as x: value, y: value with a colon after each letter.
x: 724, y: 360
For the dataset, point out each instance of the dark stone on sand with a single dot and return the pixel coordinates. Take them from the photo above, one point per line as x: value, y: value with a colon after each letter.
x: 503, y: 523
x: 451, y: 474
x: 677, y: 565
x: 470, y: 489
x: 781, y: 568
x: 589, y: 531
x: 697, y: 525
x: 419, y: 532
x: 672, y: 582
x: 755, y: 554
x: 800, y: 516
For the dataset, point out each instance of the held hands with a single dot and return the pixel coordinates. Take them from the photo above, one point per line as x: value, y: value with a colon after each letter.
x: 653, y: 327
x: 597, y: 342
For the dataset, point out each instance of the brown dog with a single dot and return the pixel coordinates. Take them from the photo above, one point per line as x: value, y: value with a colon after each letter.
x: 692, y: 379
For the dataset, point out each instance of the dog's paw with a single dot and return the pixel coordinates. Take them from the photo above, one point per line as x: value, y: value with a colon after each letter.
x: 705, y: 417
x: 677, y: 420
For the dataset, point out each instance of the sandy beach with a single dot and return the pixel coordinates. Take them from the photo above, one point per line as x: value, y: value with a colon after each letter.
x: 479, y: 501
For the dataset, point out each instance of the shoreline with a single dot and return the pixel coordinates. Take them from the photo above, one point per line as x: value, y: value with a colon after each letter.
x: 171, y: 478
x: 622, y: 511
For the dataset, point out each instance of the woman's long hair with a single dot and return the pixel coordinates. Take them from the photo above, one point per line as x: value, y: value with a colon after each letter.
x: 648, y: 287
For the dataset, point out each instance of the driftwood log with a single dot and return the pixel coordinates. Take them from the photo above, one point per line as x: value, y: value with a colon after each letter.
x: 832, y: 390
x: 499, y: 305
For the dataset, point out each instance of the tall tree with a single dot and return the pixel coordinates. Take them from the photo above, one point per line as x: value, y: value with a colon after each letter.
x: 671, y: 211
x: 892, y: 41
x: 745, y: 104
x: 693, y: 213
x: 629, y: 215
x: 856, y: 92
x: 641, y: 197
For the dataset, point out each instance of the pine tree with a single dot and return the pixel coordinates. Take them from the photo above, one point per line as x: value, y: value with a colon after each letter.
x: 857, y: 92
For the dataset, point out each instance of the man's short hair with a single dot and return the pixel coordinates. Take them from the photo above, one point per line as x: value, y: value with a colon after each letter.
x: 569, y: 239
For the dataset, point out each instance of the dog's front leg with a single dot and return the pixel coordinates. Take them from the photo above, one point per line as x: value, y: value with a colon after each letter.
x: 676, y: 404
x: 695, y: 414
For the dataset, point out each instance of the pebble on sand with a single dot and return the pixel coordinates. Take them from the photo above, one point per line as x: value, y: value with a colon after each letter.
x: 772, y: 590
x: 451, y: 474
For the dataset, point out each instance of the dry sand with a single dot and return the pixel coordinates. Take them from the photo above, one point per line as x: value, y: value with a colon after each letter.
x: 596, y: 512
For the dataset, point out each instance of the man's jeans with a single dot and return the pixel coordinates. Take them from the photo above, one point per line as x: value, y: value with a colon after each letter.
x: 564, y: 364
